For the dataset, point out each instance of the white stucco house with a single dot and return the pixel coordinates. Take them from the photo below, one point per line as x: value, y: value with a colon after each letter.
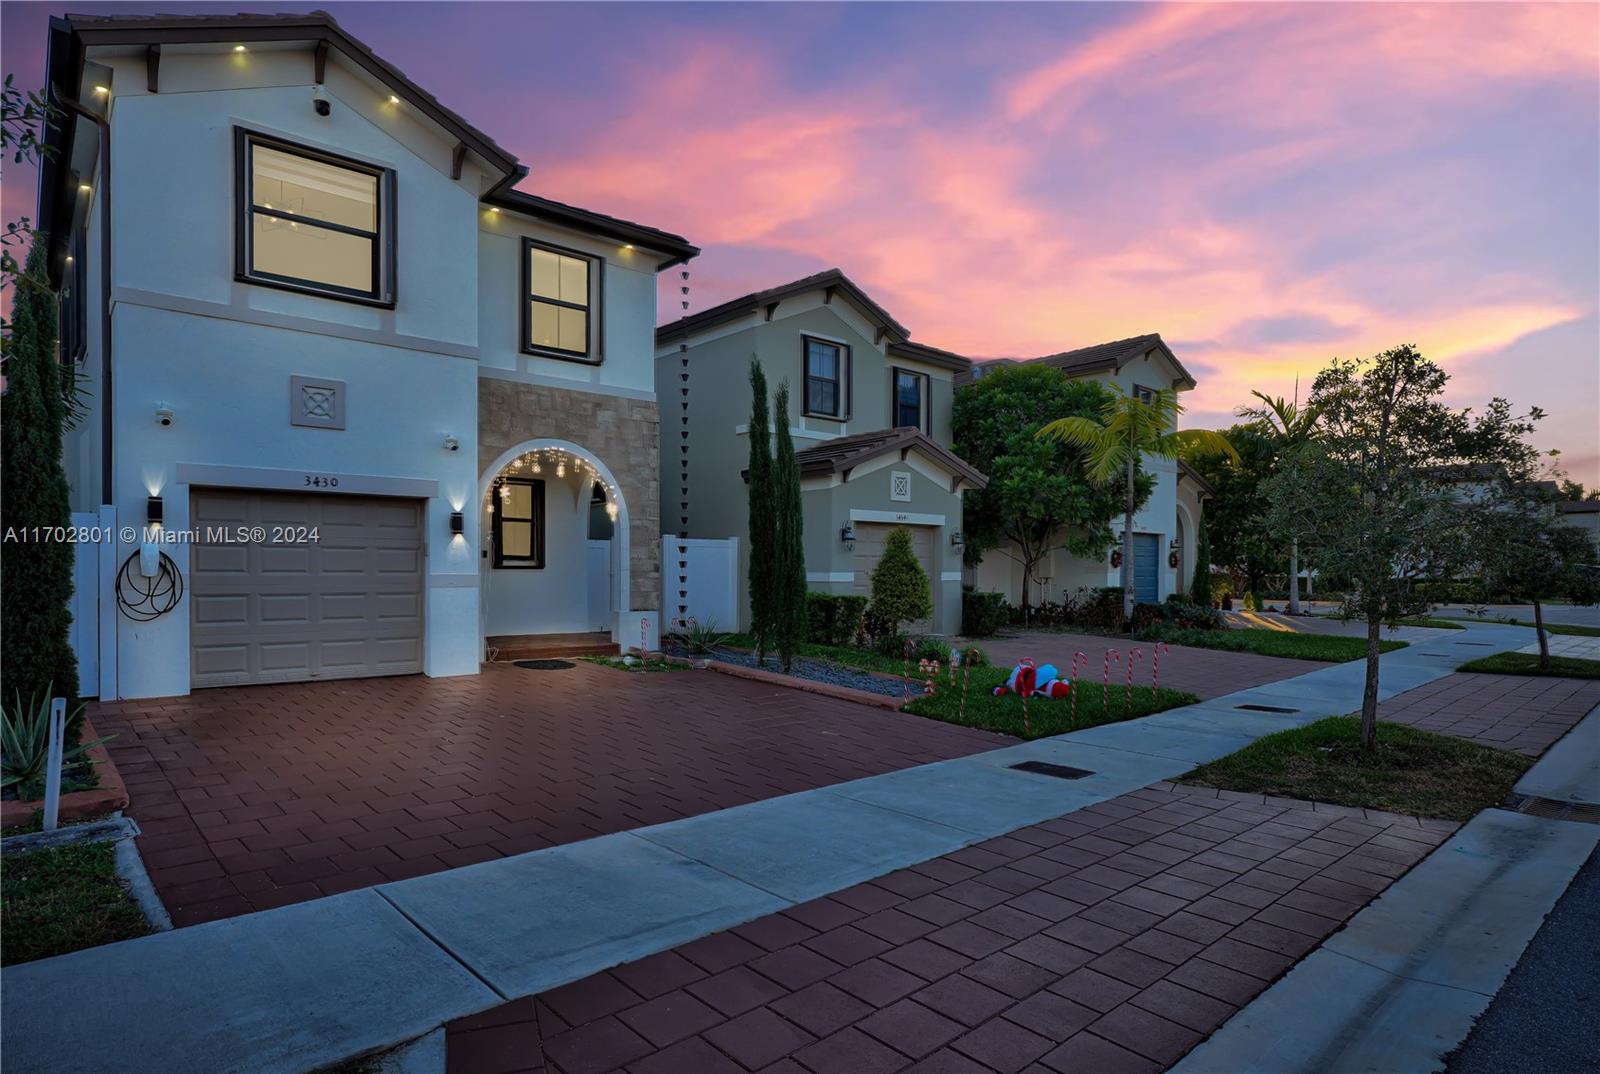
x: 309, y: 301
x: 1165, y: 528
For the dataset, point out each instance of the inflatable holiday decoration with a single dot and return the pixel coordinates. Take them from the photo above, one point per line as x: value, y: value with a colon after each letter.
x: 1026, y: 680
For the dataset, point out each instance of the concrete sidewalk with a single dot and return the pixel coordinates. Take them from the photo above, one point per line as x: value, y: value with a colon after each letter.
x: 1402, y: 984
x: 293, y: 989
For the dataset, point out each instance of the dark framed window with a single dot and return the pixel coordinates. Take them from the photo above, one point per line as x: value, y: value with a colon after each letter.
x: 519, y: 523
x: 827, y: 379
x: 910, y: 400
x: 1143, y: 394
x: 560, y: 288
x: 313, y: 221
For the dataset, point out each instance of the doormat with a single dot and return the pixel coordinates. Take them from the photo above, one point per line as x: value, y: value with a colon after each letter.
x: 544, y: 665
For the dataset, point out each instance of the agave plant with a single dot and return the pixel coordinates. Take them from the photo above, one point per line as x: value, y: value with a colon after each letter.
x: 703, y: 638
x: 25, y: 744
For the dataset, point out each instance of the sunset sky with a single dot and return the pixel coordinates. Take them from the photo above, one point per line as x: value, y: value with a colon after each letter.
x: 1266, y: 186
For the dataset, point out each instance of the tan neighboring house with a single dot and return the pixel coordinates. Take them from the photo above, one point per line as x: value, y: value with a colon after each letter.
x: 1164, y: 538
x: 1583, y: 515
x: 869, y: 413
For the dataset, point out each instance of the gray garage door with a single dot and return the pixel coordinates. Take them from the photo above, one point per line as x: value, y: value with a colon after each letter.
x: 870, y: 537
x: 347, y: 605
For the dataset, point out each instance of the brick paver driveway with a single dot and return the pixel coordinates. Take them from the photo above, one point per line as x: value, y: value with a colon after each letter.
x: 1206, y: 672
x: 253, y: 797
x: 1509, y: 712
x: 1110, y: 940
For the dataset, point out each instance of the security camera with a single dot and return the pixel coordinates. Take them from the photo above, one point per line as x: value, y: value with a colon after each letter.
x: 320, y: 102
x: 163, y: 414
x: 452, y: 444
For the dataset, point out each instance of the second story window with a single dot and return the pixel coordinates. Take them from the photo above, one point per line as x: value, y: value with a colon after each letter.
x: 312, y: 221
x: 559, y: 317
x: 827, y: 379
x: 1143, y: 394
x: 910, y: 400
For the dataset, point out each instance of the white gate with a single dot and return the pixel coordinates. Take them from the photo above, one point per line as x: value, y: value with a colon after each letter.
x: 84, y: 634
x: 598, y: 565
x: 710, y: 573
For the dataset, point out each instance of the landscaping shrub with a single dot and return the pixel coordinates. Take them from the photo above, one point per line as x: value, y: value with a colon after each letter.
x: 900, y: 592
x: 1177, y: 613
x: 1102, y: 609
x: 890, y: 644
x: 974, y: 657
x: 702, y: 638
x: 834, y: 618
x: 932, y: 649
x: 983, y: 614
x: 25, y: 747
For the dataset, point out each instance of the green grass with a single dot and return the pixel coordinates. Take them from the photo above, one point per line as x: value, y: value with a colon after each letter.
x: 1564, y: 667
x: 64, y: 899
x: 1326, y: 647
x: 1549, y: 628
x: 1046, y: 716
x: 848, y: 655
x: 1418, y: 773
x: 638, y: 666
x: 1433, y: 621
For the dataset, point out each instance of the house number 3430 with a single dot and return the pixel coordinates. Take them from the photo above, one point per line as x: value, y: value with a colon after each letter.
x: 317, y: 481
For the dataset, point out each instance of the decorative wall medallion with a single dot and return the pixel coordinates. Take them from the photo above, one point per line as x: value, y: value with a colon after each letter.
x: 900, y: 486
x: 316, y: 403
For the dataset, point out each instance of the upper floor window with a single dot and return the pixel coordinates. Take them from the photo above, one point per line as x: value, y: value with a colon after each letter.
x: 1143, y: 394
x: 827, y: 379
x: 560, y: 288
x: 312, y: 221
x: 519, y: 523
x: 910, y: 399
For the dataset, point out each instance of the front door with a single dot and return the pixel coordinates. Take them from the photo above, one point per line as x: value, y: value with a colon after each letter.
x: 1146, y: 567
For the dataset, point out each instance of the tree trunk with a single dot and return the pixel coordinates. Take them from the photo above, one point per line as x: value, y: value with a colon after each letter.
x: 1127, y: 548
x: 1294, y: 577
x: 1369, y: 692
x: 1544, y: 640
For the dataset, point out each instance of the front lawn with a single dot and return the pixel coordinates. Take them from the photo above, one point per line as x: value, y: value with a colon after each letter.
x: 1046, y: 716
x: 1433, y: 621
x: 64, y: 899
x: 1572, y: 629
x: 1330, y: 648
x: 848, y: 655
x: 1414, y: 772
x: 1564, y: 667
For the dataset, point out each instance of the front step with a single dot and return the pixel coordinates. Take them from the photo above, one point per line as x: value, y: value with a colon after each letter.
x: 509, y: 647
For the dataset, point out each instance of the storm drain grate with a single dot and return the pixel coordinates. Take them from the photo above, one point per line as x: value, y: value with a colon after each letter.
x: 1552, y: 808
x: 1059, y: 771
x: 545, y: 665
x: 1265, y: 708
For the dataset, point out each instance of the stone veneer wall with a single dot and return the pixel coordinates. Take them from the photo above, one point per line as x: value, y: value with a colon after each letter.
x: 622, y: 433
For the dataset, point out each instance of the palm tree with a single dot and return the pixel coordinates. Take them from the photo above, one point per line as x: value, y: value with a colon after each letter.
x: 1128, y: 428
x: 1289, y: 426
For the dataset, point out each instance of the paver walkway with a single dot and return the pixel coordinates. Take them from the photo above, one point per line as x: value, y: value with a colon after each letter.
x: 1524, y: 713
x: 1112, y: 939
x: 1207, y: 673
x: 254, y: 797
x: 1580, y: 646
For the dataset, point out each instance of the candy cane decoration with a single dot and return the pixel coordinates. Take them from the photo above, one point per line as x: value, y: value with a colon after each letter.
x: 966, y: 674
x: 1155, y: 669
x: 644, y: 633
x: 1105, y: 679
x: 906, y: 689
x: 1080, y: 655
x: 1127, y: 703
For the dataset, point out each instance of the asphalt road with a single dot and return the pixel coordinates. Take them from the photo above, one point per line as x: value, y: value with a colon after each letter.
x: 1546, y: 1019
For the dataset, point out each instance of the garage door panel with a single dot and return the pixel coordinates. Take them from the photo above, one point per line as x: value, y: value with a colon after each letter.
x: 347, y: 605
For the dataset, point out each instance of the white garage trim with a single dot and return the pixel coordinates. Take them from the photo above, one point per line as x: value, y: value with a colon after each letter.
x: 255, y: 477
x: 830, y: 576
x: 903, y: 517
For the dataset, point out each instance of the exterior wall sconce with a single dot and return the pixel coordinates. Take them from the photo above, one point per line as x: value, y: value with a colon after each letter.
x: 847, y: 537
x: 458, y: 523
x: 154, y: 511
x: 957, y: 540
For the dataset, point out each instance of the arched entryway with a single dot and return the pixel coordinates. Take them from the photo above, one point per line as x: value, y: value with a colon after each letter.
x: 554, y: 551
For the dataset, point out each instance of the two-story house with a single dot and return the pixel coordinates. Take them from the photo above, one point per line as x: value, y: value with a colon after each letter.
x: 869, y: 412
x: 382, y: 405
x: 1165, y: 527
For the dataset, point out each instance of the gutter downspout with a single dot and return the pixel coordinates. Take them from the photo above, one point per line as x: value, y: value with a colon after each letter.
x: 107, y: 484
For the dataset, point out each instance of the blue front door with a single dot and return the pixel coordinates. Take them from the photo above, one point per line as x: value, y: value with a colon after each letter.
x: 1146, y: 567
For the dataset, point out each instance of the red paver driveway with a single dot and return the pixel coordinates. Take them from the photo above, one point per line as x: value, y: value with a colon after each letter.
x: 1112, y: 939
x: 1524, y: 713
x: 253, y: 797
x: 1206, y: 672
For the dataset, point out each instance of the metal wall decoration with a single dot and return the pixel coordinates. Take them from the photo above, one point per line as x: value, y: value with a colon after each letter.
x: 682, y: 619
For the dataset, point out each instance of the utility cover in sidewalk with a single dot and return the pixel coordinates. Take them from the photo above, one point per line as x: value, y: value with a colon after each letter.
x: 1265, y: 708
x: 1045, y: 768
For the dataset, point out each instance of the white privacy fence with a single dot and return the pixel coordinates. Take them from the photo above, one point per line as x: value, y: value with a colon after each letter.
x: 703, y: 575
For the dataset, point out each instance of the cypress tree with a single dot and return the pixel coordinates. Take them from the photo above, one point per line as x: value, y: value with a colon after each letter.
x: 789, y: 559
x: 1201, y: 590
x: 35, y: 574
x: 759, y: 491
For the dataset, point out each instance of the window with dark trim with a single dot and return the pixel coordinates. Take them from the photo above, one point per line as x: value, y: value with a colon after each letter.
x: 559, y: 289
x: 910, y: 400
x: 827, y: 379
x: 313, y: 221
x: 519, y: 523
x: 1143, y: 394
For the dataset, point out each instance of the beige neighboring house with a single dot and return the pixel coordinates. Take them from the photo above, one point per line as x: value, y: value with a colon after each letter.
x: 1164, y: 538
x: 869, y: 413
x: 1583, y: 515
